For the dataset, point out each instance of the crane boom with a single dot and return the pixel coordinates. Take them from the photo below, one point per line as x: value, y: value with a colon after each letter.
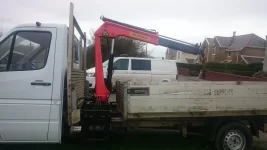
x: 112, y: 29
x: 163, y: 40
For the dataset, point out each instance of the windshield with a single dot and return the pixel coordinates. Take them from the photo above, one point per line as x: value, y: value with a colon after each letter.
x: 105, y: 63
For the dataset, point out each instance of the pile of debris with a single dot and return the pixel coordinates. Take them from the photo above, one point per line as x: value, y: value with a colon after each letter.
x: 260, y: 74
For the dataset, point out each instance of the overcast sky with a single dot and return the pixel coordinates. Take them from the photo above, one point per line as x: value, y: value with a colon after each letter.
x: 187, y: 20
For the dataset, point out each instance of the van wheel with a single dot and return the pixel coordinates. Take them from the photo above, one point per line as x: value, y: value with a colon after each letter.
x: 233, y: 136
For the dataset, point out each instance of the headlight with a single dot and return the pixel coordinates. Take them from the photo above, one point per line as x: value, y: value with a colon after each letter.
x: 91, y: 74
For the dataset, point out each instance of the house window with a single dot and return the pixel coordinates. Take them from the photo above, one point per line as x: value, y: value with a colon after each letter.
x: 178, y: 55
x: 213, y: 50
x: 229, y: 54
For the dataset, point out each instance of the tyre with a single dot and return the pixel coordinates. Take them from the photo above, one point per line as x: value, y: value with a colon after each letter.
x: 234, y: 136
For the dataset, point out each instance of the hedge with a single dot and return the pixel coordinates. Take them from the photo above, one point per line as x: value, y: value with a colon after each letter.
x: 191, y: 67
x: 235, y: 67
x: 238, y: 69
x: 236, y: 72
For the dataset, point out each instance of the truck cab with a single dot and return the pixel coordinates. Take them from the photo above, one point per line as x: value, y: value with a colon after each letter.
x: 33, y: 67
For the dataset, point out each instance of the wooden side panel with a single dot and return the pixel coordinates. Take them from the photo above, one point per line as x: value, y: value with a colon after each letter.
x: 75, y: 77
x: 199, y: 98
x: 78, y: 81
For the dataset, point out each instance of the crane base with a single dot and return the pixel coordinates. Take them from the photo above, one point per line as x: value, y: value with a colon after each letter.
x: 95, y: 121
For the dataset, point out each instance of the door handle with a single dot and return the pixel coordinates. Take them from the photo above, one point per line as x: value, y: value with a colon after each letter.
x: 40, y: 82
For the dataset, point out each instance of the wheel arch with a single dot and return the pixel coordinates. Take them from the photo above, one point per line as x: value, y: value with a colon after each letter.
x: 216, y: 124
x: 165, y: 80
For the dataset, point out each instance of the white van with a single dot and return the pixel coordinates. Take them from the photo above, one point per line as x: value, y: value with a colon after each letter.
x: 138, y: 69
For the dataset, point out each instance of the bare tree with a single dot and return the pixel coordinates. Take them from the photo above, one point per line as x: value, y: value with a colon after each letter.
x: 132, y: 48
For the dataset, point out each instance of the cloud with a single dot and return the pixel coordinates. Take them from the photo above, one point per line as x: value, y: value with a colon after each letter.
x: 188, y: 20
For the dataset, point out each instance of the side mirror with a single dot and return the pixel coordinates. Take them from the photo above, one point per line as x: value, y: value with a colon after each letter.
x: 114, y: 67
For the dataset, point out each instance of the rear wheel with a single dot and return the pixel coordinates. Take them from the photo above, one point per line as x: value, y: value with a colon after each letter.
x: 233, y: 136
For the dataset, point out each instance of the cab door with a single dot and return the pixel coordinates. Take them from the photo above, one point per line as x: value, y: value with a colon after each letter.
x: 26, y: 78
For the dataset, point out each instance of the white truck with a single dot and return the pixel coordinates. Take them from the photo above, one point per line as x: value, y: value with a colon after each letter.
x: 43, y: 95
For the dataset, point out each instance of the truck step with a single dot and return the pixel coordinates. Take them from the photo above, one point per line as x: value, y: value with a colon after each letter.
x: 94, y: 139
x: 116, y: 119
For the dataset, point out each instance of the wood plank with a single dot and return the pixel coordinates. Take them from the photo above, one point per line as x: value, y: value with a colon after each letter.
x: 80, y: 91
x: 76, y: 70
x: 80, y: 52
x: 196, y: 114
x: 85, y: 53
x: 78, y: 73
x: 75, y: 22
x: 70, y: 63
x: 75, y: 116
x: 77, y: 81
x: 79, y: 84
x: 78, y: 78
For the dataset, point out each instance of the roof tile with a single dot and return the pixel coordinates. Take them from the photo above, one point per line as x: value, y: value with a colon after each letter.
x: 224, y: 41
x: 241, y: 41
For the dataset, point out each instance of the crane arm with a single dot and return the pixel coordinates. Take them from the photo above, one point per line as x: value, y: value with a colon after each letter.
x: 161, y: 40
x: 112, y: 29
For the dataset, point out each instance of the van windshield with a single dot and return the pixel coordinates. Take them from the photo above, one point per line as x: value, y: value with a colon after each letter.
x: 105, y: 64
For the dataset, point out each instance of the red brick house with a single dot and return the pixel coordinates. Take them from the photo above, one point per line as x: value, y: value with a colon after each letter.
x: 248, y: 48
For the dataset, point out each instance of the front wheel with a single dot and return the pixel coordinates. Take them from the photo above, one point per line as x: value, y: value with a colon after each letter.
x: 234, y: 136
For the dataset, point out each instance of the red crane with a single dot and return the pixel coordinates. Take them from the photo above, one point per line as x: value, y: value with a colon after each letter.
x: 112, y: 29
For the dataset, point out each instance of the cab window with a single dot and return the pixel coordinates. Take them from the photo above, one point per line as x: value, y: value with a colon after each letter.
x: 27, y: 51
x: 5, y: 47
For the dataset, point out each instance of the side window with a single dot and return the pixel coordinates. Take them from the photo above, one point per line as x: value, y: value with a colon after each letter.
x: 139, y: 64
x: 30, y: 51
x: 121, y: 64
x: 5, y: 47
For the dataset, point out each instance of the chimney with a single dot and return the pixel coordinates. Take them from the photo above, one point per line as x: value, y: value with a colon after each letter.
x: 234, y: 33
x: 232, y: 39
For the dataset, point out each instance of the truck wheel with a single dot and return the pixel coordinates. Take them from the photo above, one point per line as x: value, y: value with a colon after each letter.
x: 233, y: 136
